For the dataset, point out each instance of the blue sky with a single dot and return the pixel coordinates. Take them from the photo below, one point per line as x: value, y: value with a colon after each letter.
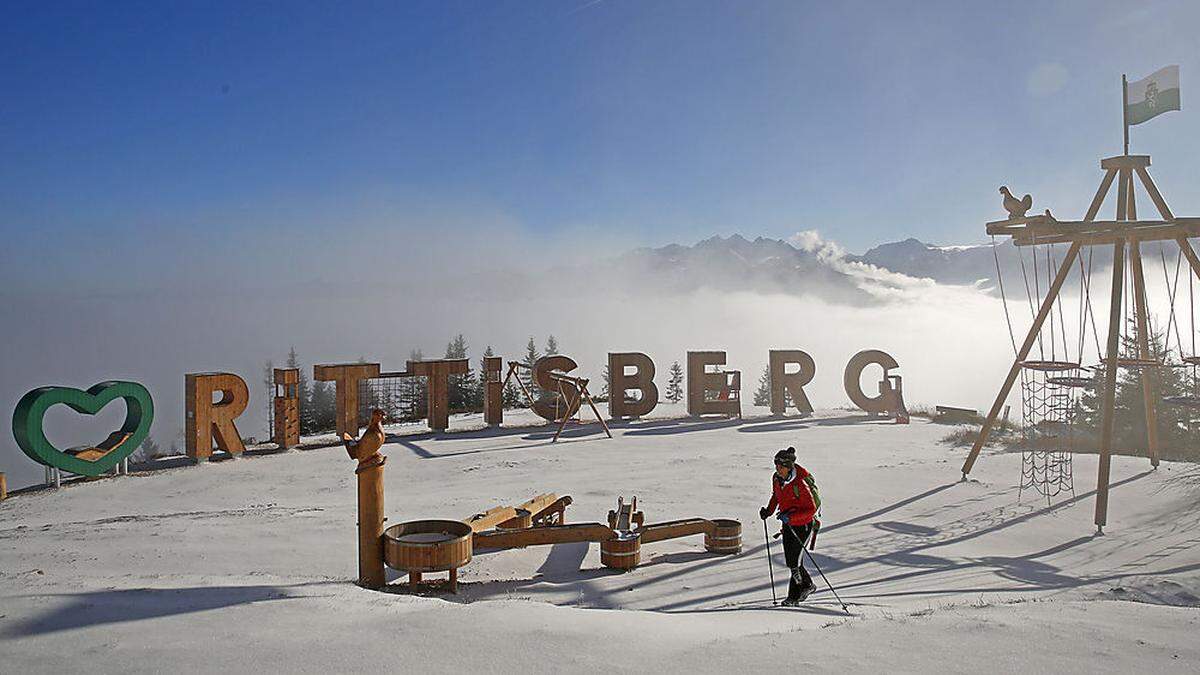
x: 144, y: 130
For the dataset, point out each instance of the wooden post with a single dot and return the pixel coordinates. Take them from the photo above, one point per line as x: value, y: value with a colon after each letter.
x: 493, y: 391
x: 3, y: 487
x: 286, y: 430
x: 1063, y: 270
x: 1110, y: 385
x: 1148, y: 375
x: 370, y: 527
x: 437, y: 375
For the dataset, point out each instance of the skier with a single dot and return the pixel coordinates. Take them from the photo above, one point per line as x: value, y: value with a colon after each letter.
x: 794, y: 493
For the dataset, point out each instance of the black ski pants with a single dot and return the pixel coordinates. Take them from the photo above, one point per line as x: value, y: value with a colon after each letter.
x: 794, y: 539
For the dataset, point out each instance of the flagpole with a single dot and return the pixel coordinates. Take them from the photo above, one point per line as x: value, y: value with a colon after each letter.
x: 1125, y: 110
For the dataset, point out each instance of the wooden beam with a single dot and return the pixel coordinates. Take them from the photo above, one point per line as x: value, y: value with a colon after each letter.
x: 673, y: 529
x: 1122, y: 196
x: 1110, y: 385
x: 1190, y: 254
x: 1101, y: 193
x: 1142, y: 231
x: 1063, y: 270
x: 1125, y: 162
x: 1148, y: 375
x: 538, y: 536
x: 1155, y: 195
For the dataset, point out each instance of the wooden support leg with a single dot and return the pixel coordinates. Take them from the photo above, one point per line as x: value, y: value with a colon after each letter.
x: 1148, y: 375
x: 370, y: 527
x: 453, y: 579
x: 1063, y: 270
x: 1110, y: 386
x: 599, y: 417
x: 414, y: 580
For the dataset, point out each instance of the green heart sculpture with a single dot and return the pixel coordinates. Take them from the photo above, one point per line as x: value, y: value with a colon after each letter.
x: 27, y: 425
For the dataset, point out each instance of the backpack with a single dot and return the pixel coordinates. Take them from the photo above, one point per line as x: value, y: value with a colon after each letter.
x: 815, y: 492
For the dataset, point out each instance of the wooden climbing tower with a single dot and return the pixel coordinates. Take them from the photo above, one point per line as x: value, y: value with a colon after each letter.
x: 1125, y: 235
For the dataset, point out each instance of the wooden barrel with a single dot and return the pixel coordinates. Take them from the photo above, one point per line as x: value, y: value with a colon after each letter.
x: 427, y: 545
x: 725, y: 538
x: 622, y: 552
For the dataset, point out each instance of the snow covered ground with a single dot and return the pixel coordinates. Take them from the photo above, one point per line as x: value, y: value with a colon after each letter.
x: 248, y: 564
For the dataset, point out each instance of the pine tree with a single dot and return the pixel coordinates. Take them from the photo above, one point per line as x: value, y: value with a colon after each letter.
x: 415, y: 392
x: 531, y: 357
x: 605, y: 393
x: 461, y: 387
x: 551, y: 346
x: 762, y: 395
x: 477, y: 391
x: 269, y: 388
x: 324, y: 406
x: 308, y: 423
x: 1129, y: 412
x: 675, y: 383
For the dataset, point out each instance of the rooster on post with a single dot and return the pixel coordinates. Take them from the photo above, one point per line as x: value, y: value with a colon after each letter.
x: 1016, y: 207
x: 366, y: 448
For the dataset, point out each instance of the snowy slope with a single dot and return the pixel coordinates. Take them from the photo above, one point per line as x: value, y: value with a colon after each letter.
x: 247, y: 565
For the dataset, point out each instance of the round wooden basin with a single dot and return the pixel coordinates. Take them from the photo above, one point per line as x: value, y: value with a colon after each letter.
x: 726, y: 537
x: 427, y: 545
x: 622, y: 552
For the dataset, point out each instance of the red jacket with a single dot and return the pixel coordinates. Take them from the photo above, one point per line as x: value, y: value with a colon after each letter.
x: 793, y: 498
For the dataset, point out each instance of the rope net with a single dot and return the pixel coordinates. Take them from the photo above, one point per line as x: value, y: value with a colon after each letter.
x: 1048, y: 434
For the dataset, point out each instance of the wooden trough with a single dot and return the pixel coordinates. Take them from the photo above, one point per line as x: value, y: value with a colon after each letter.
x: 419, y: 546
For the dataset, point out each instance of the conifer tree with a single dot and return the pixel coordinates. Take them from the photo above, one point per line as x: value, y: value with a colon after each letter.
x: 1129, y: 412
x: 461, y: 387
x: 415, y: 391
x: 477, y: 391
x: 531, y: 357
x: 762, y: 395
x: 269, y: 388
x: 324, y: 406
x: 551, y: 346
x: 605, y: 392
x: 675, y: 383
x: 308, y: 422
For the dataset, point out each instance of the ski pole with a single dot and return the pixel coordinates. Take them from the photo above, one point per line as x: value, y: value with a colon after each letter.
x: 770, y: 566
x: 813, y: 560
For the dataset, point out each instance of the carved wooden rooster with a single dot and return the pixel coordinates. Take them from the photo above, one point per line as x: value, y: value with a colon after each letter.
x: 366, y: 448
x: 1016, y: 207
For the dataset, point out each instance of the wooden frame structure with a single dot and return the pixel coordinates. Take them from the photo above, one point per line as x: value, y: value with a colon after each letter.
x: 565, y: 384
x: 1126, y: 231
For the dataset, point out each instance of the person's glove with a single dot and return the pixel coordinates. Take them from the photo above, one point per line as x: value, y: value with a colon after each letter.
x: 783, y: 517
x: 763, y: 513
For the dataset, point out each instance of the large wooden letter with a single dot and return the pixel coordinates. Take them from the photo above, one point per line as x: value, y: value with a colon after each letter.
x: 641, y: 380
x: 207, y: 421
x: 437, y: 376
x: 551, y: 405
x: 347, y: 376
x: 785, y: 384
x: 493, y: 391
x: 877, y: 405
x: 702, y: 386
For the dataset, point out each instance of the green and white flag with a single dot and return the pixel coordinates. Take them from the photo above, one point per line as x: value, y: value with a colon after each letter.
x: 1152, y: 96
